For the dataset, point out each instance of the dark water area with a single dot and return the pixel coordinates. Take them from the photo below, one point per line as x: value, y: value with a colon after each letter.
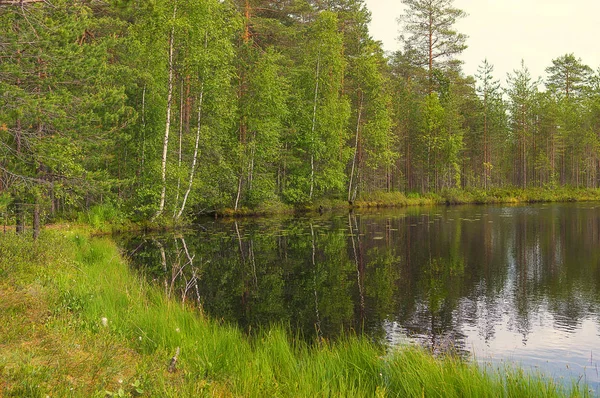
x: 516, y: 284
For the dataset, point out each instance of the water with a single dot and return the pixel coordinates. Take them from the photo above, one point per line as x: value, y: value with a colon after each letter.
x: 516, y: 284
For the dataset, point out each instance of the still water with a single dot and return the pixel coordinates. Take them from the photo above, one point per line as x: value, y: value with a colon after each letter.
x: 516, y: 284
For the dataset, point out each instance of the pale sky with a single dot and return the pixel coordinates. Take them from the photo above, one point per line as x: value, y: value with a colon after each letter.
x: 506, y: 31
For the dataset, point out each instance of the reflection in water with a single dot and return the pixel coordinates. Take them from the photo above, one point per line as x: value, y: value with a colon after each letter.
x: 505, y: 283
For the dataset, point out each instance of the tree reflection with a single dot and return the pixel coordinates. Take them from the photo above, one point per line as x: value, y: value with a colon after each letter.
x: 435, y: 271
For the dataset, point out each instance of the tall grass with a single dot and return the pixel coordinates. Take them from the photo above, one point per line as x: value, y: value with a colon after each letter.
x: 128, y: 331
x: 479, y: 196
x: 102, y: 215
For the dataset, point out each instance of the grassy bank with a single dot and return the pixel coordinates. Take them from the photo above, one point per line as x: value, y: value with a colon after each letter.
x: 479, y: 196
x: 445, y: 197
x: 75, y: 321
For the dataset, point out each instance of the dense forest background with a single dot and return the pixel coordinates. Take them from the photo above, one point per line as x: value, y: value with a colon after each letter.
x: 168, y: 108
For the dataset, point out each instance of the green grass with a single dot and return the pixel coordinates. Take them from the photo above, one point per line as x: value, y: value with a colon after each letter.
x: 478, y: 196
x: 381, y: 199
x: 55, y: 293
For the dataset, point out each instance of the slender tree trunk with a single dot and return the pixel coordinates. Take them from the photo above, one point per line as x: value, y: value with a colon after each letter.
x: 409, y: 184
x: 179, y: 152
x: 314, y: 267
x: 195, y: 157
x: 194, y: 280
x: 163, y: 192
x: 485, y: 143
x: 36, y: 220
x: 143, y: 159
x: 239, y: 193
x: 163, y: 262
x: 357, y: 263
x: 19, y: 217
x: 18, y: 131
x: 243, y: 122
x: 355, y: 148
x: 552, y: 157
x: 247, y: 11
x: 251, y: 165
x: 312, y: 135
x: 430, y: 50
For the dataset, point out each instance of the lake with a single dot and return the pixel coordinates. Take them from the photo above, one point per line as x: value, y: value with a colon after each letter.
x: 516, y: 284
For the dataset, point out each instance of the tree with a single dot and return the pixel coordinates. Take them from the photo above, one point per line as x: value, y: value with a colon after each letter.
x: 171, y: 64
x: 593, y: 122
x: 373, y: 143
x: 63, y: 106
x: 492, y: 114
x: 568, y: 83
x: 521, y: 93
x: 407, y: 114
x: 428, y: 33
x: 263, y: 109
x: 319, y: 115
x: 568, y: 76
x: 183, y: 83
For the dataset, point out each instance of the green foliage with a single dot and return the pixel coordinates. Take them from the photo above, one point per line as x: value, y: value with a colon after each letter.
x: 291, y: 103
x: 319, y: 154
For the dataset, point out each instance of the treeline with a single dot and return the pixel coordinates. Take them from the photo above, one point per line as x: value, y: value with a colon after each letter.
x: 169, y: 107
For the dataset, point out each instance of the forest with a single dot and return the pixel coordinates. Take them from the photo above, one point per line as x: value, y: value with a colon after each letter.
x: 165, y: 109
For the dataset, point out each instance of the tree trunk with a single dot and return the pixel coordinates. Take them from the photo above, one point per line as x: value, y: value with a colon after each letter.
x: 179, y: 152
x: 19, y: 218
x: 314, y: 268
x: 195, y: 157
x: 312, y: 132
x: 239, y: 193
x: 143, y: 159
x: 350, y: 199
x: 36, y: 220
x: 485, y: 144
x: 163, y: 192
x: 251, y: 165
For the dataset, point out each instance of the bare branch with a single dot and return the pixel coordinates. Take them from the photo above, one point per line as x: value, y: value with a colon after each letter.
x: 19, y: 3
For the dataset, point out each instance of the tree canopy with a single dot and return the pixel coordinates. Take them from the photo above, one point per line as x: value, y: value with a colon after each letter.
x: 176, y: 108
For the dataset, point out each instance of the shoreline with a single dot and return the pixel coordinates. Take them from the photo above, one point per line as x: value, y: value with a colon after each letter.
x: 71, y: 299
x: 400, y: 200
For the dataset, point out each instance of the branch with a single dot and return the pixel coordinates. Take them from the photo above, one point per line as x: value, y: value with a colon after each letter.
x: 23, y: 178
x: 19, y: 2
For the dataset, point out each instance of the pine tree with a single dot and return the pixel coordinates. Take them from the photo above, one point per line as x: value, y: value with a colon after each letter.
x: 428, y: 33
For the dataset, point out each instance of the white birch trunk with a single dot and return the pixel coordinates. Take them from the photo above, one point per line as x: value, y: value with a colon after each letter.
x: 143, y: 131
x: 355, y: 150
x: 239, y: 193
x: 195, y: 157
x: 163, y: 192
x: 312, y: 135
x: 181, y: 111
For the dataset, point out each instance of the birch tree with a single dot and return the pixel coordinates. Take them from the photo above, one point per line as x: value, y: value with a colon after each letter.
x: 165, y: 149
x: 320, y: 115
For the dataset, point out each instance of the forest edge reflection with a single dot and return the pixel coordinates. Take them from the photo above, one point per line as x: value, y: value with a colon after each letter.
x: 478, y: 279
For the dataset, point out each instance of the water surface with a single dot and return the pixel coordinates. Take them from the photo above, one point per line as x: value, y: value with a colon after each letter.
x: 502, y: 283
